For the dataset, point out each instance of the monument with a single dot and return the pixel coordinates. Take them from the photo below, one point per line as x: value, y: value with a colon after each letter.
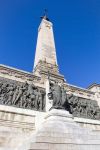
x: 40, y: 110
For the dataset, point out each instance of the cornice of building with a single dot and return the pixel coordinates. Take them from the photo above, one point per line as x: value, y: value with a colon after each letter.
x: 80, y: 89
x: 93, y: 85
x: 6, y: 71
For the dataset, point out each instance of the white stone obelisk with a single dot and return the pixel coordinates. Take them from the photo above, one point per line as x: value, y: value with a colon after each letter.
x: 45, y: 48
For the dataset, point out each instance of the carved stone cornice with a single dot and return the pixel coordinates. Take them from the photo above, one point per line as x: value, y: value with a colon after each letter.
x: 76, y: 88
x: 93, y: 85
x: 6, y: 71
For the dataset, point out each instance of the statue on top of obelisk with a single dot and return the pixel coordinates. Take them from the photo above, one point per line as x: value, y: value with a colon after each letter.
x: 45, y: 16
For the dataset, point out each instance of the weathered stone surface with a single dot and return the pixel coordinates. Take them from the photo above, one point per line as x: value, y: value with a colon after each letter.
x: 45, y: 49
x: 17, y: 125
x: 60, y: 132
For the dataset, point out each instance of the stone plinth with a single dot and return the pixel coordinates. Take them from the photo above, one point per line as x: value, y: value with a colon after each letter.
x: 17, y: 126
x: 60, y: 132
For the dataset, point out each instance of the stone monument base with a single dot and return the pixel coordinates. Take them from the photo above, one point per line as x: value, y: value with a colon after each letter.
x: 60, y: 132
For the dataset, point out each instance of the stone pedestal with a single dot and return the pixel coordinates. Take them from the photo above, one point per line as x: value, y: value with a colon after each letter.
x: 60, y: 132
x: 17, y: 125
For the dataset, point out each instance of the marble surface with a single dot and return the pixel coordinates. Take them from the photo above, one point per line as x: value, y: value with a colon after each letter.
x: 17, y: 125
x: 45, y: 49
x: 60, y: 132
x: 22, y: 129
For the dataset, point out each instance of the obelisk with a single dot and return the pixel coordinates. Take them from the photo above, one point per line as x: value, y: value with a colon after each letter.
x: 45, y: 49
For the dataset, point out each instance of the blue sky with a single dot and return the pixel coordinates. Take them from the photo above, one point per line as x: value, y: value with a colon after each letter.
x: 76, y: 30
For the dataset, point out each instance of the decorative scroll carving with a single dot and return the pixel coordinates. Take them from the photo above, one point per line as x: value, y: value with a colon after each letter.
x: 79, y: 107
x: 22, y: 95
